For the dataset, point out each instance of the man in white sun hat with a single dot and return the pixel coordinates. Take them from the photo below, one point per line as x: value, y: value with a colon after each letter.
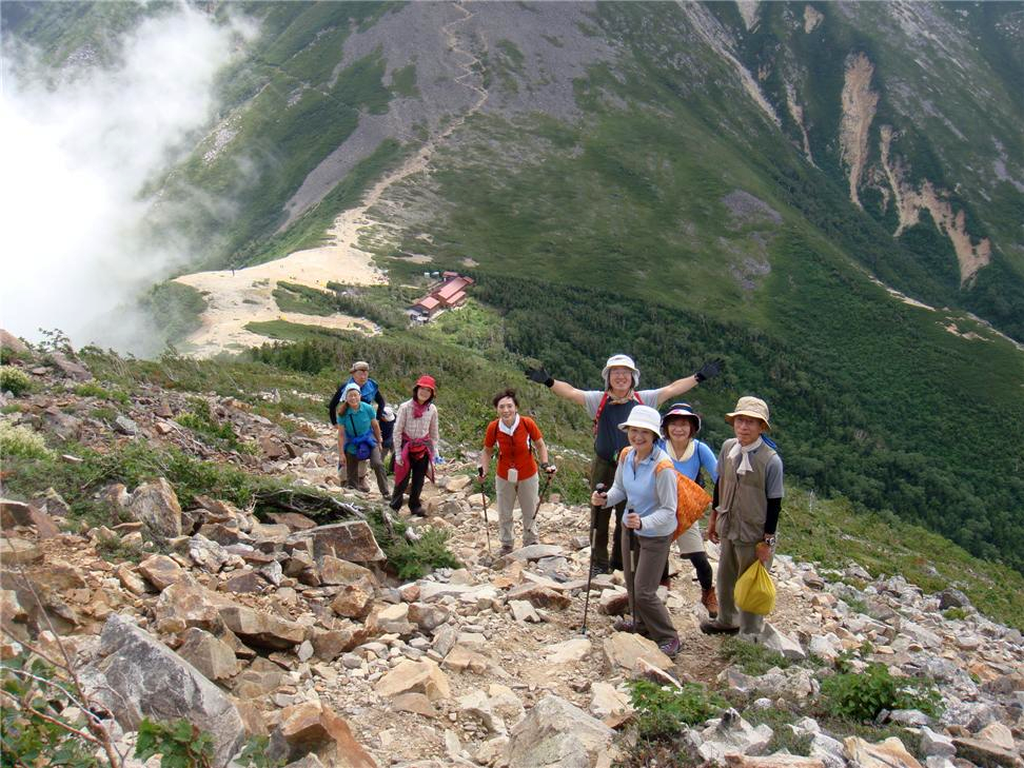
x: 744, y: 512
x: 609, y: 408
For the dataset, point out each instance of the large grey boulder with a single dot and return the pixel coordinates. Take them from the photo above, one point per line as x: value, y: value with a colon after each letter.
x: 139, y: 677
x: 556, y: 733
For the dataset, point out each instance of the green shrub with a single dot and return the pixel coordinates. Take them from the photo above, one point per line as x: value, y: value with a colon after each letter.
x: 662, y: 710
x: 16, y: 440
x: 202, y: 420
x: 411, y: 560
x: 35, y: 721
x: 180, y: 744
x: 955, y: 613
x: 860, y: 696
x: 92, y: 389
x: 752, y: 658
x: 14, y: 380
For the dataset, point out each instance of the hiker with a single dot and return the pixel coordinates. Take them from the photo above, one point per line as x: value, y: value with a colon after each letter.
x: 387, y: 434
x: 680, y: 427
x: 358, y: 439
x: 416, y: 439
x: 516, y: 476
x: 651, y: 497
x: 369, y: 391
x: 609, y: 408
x: 744, y: 512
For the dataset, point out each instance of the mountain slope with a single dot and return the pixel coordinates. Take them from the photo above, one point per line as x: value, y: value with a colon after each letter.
x: 771, y: 180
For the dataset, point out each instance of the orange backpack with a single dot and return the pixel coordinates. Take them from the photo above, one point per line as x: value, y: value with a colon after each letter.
x: 691, y: 499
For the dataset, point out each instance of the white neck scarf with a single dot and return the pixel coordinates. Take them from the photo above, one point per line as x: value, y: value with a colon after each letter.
x: 509, y: 430
x: 744, y: 451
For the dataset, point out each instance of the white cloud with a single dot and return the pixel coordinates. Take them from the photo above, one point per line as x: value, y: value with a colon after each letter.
x: 75, y: 158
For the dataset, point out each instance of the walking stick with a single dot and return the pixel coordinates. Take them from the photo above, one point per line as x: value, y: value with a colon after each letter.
x: 544, y: 490
x: 487, y: 522
x: 590, y: 572
x: 631, y: 578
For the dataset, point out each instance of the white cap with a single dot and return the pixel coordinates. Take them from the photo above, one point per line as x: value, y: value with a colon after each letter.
x: 388, y: 414
x: 621, y: 361
x: 644, y: 417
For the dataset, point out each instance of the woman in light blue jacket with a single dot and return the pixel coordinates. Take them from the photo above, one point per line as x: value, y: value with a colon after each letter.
x: 650, y: 496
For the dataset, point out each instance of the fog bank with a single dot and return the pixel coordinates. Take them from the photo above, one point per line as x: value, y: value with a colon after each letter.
x: 75, y: 159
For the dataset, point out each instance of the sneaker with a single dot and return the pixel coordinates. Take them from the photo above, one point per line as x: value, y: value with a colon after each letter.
x: 709, y: 600
x: 714, y: 628
x: 364, y: 487
x: 670, y: 648
x: 418, y: 511
x: 395, y: 505
x: 597, y: 569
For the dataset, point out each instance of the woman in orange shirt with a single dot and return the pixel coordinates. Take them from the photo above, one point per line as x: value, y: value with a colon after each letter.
x: 517, y: 476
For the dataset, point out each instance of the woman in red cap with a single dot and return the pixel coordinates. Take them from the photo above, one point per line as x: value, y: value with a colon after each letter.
x: 415, y: 443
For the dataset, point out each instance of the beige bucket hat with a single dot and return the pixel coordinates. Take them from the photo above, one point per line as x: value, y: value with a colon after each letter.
x: 750, y: 406
x: 360, y: 365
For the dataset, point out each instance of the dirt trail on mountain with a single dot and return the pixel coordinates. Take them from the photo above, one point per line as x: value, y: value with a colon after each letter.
x: 236, y: 298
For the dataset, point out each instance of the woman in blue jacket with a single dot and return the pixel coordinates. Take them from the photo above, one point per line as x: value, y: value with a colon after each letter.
x: 680, y: 427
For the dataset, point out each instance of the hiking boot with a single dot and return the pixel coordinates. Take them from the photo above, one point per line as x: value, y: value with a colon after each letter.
x: 714, y: 628
x: 395, y: 505
x: 629, y: 625
x: 671, y: 647
x: 506, y: 549
x: 418, y: 511
x: 709, y: 600
x: 597, y: 569
x: 363, y: 486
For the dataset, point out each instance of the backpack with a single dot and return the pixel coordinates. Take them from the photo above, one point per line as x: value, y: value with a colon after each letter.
x: 691, y: 499
x: 364, y: 443
x: 604, y: 402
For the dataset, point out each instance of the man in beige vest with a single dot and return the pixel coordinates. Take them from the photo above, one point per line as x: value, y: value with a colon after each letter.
x: 745, y: 512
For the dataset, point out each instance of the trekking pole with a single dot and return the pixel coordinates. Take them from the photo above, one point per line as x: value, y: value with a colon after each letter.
x: 543, y: 491
x: 632, y: 572
x: 590, y: 572
x: 487, y: 522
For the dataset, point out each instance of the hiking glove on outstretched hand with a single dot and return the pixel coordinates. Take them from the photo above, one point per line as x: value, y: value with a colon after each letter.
x: 540, y: 376
x: 709, y: 370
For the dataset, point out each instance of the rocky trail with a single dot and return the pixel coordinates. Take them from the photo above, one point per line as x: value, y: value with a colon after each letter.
x: 286, y: 626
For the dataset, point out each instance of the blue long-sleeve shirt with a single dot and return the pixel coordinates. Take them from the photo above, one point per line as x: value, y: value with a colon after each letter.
x: 650, y: 494
x: 702, y: 456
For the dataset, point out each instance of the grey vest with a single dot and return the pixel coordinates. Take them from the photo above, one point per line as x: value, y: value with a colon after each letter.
x: 742, y: 500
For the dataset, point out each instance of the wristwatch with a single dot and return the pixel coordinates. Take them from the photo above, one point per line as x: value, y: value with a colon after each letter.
x: 769, y: 539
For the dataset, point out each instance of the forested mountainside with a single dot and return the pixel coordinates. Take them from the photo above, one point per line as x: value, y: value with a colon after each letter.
x: 829, y: 195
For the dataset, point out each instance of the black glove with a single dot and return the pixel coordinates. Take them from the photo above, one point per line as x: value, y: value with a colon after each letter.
x: 540, y: 376
x: 480, y: 472
x: 709, y: 370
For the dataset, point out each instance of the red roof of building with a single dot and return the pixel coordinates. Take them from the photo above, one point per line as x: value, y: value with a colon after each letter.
x: 429, y: 303
x: 451, y: 287
x: 455, y: 300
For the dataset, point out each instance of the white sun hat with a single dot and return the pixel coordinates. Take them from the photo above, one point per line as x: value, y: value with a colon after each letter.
x: 643, y: 417
x: 621, y: 361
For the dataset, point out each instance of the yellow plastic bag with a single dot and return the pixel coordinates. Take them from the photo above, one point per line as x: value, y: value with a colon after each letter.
x: 754, y: 592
